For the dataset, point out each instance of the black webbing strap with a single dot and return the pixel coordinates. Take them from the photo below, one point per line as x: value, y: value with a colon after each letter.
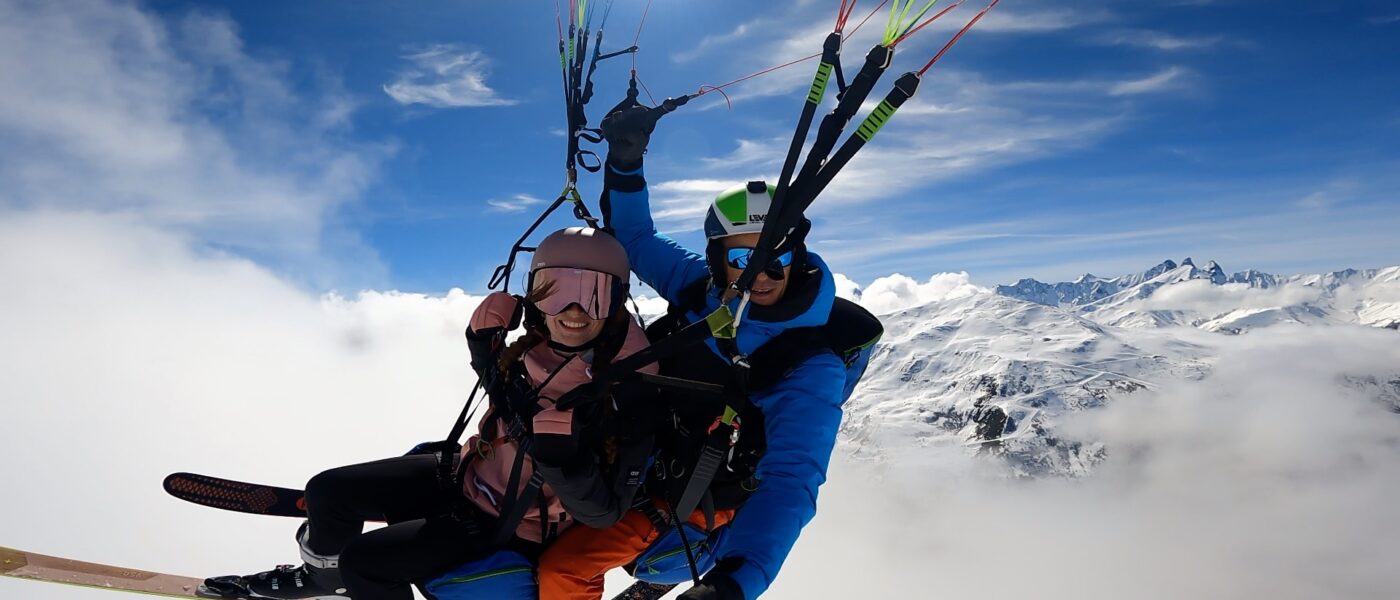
x: 676, y: 383
x: 718, y: 324
x: 514, y: 506
x: 791, y: 200
x: 830, y: 60
x: 460, y: 426
x: 643, y: 504
x: 520, y: 504
x: 904, y: 89
x: 876, y: 61
x: 685, y: 543
x: 448, y: 468
x: 722, y: 438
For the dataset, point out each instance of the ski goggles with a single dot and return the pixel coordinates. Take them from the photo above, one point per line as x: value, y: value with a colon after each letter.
x: 563, y: 287
x: 739, y: 258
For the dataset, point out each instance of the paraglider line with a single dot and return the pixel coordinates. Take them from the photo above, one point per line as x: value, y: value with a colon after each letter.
x: 914, y: 30
x: 957, y: 37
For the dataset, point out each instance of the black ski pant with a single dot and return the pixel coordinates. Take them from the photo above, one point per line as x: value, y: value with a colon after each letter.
x: 429, y: 532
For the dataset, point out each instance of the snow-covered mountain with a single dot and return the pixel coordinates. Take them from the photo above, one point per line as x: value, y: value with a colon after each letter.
x: 1185, y: 294
x: 998, y: 371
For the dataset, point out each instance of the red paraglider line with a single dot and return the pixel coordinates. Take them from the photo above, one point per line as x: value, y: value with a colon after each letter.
x: 957, y: 37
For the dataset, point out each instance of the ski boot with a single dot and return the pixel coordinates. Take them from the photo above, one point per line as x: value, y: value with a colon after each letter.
x: 318, y: 578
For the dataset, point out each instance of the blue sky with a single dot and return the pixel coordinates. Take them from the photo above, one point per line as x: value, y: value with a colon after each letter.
x: 404, y: 145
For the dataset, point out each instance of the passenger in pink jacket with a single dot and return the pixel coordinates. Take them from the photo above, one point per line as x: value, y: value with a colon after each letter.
x: 551, y: 450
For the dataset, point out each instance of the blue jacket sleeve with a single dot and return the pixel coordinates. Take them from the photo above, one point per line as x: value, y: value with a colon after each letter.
x: 657, y: 260
x: 801, y: 416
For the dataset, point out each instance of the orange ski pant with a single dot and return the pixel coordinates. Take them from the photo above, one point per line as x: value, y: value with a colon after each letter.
x: 572, y: 567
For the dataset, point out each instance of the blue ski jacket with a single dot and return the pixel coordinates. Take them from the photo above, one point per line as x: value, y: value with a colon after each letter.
x: 801, y: 413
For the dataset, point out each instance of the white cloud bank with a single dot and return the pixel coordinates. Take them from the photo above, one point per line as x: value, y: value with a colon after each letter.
x: 898, y: 292
x: 129, y: 353
x: 1267, y: 479
x: 1204, y: 297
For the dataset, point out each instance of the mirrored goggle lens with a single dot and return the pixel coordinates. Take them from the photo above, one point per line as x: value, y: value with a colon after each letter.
x: 739, y: 258
x: 591, y: 290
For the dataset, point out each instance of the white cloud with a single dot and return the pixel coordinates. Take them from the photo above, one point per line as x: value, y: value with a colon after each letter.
x: 681, y: 203
x: 1160, y: 81
x: 1329, y: 196
x: 710, y: 42
x: 806, y: 35
x: 1386, y: 20
x: 846, y: 287
x: 957, y: 124
x: 446, y: 76
x: 1206, y: 298
x: 1031, y: 21
x: 111, y: 109
x: 897, y: 292
x: 514, y: 204
x: 1157, y: 40
x: 1315, y: 200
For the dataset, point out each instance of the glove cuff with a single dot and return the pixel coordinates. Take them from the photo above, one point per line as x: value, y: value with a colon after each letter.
x: 624, y: 177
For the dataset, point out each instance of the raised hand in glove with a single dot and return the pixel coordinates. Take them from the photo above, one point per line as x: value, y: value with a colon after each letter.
x: 499, y: 311
x: 497, y: 314
x: 628, y: 130
x: 715, y: 586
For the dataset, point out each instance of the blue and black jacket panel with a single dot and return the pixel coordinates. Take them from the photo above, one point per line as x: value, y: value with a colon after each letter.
x: 796, y: 407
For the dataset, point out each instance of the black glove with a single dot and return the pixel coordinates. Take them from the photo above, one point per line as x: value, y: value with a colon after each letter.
x: 628, y: 130
x: 552, y: 450
x: 715, y: 586
x: 641, y: 409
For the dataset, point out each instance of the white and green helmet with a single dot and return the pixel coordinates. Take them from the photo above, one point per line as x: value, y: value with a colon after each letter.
x: 740, y: 209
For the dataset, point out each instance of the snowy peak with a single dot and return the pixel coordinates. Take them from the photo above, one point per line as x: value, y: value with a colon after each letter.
x: 1089, y: 289
x: 1182, y: 293
x: 995, y: 374
x: 1215, y: 273
x: 1004, y: 373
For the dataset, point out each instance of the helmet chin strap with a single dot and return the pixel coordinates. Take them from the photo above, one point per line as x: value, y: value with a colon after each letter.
x: 739, y: 313
x: 584, y: 347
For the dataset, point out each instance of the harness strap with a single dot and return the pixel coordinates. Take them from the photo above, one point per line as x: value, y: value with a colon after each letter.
x: 717, y: 325
x: 643, y: 504
x: 518, y: 506
x: 723, y: 437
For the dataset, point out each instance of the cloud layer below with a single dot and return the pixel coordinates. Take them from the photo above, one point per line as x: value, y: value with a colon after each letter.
x: 1270, y: 478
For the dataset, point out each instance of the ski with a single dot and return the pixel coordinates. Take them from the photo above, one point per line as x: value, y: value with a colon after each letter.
x: 236, y: 496
x: 642, y: 590
x: 53, y: 569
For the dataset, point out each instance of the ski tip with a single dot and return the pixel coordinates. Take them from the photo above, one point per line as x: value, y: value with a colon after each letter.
x: 170, y: 480
x: 11, y: 559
